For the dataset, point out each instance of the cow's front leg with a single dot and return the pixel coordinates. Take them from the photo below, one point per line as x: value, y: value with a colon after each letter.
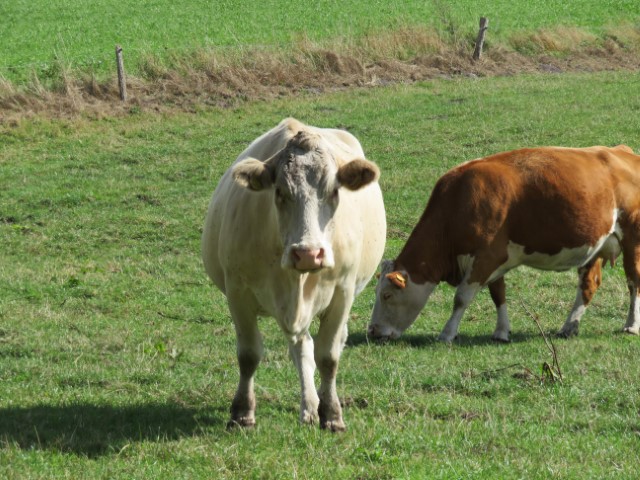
x: 590, y: 279
x: 633, y: 319
x: 301, y: 351
x: 465, y: 293
x: 631, y: 252
x: 249, y: 351
x: 331, y: 338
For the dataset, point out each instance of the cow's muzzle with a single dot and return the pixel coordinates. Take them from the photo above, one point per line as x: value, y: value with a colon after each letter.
x: 381, y: 333
x: 307, y: 259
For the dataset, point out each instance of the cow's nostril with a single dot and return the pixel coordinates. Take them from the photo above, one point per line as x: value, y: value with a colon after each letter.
x: 308, y: 258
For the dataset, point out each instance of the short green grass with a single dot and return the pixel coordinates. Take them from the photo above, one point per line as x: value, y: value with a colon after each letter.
x: 117, y: 356
x: 44, y: 37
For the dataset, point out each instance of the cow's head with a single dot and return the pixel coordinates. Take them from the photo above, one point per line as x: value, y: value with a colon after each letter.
x: 305, y: 180
x: 398, y: 302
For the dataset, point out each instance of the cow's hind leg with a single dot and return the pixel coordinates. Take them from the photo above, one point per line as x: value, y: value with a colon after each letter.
x: 631, y: 253
x: 590, y: 278
x: 332, y: 335
x: 301, y: 351
x: 249, y: 351
x: 465, y: 293
x: 497, y: 289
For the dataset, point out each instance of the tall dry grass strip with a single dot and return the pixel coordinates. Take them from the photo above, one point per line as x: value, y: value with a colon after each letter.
x: 224, y: 77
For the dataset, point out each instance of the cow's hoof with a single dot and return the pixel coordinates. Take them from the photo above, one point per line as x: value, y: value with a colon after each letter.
x: 631, y: 330
x: 568, y: 331
x: 500, y: 339
x: 446, y: 338
x: 309, y: 418
x: 565, y: 334
x: 241, y: 422
x: 334, y: 426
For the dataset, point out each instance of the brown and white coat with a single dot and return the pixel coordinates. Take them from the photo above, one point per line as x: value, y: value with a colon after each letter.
x: 550, y: 208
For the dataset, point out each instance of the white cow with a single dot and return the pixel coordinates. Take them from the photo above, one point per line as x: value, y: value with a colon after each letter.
x: 295, y: 229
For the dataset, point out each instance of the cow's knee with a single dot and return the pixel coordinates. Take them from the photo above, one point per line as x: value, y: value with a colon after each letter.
x: 327, y: 365
x: 248, y: 361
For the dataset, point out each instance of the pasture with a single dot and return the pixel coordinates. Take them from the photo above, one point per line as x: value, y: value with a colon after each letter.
x: 45, y: 38
x: 117, y: 356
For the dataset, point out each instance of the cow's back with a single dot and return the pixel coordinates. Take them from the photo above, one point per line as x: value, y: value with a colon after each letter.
x: 544, y: 199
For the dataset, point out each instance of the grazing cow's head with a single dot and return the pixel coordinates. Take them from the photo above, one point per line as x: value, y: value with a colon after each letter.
x: 305, y: 179
x: 398, y: 302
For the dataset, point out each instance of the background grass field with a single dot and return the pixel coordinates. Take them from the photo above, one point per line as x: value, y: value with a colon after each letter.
x: 117, y: 357
x: 43, y: 37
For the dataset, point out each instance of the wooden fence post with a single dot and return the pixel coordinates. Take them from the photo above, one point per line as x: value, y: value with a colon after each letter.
x: 122, y: 84
x: 484, y: 25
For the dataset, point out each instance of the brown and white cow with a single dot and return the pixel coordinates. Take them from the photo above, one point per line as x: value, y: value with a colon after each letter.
x: 548, y: 208
x: 295, y: 229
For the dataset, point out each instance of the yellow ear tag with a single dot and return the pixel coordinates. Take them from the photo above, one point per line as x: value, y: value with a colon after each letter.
x: 397, y: 279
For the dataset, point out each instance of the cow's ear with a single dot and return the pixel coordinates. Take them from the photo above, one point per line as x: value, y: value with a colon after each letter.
x: 397, y: 278
x: 358, y: 173
x: 253, y: 174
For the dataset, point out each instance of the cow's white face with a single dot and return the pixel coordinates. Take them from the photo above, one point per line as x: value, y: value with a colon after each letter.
x: 305, y: 181
x: 398, y: 302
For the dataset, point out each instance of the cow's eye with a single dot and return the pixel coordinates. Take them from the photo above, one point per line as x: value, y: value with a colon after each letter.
x: 386, y: 296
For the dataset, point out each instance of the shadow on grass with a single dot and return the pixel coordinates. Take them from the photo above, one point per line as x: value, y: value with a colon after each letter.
x: 93, y: 431
x: 420, y: 340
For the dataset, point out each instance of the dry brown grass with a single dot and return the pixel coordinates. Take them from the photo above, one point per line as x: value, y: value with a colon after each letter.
x: 555, y: 40
x: 225, y: 77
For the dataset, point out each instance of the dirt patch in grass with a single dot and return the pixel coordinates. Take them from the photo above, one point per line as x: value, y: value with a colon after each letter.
x: 228, y: 77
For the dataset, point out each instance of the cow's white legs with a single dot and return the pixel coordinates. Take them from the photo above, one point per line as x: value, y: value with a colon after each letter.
x: 633, y: 319
x: 331, y: 338
x: 249, y: 350
x: 497, y: 289
x: 631, y: 252
x: 590, y: 279
x: 301, y: 351
x: 464, y: 295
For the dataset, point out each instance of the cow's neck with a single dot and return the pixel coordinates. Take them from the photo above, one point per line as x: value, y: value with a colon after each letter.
x: 427, y: 256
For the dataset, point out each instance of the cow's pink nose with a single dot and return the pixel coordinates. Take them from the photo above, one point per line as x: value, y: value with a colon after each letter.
x: 308, y: 258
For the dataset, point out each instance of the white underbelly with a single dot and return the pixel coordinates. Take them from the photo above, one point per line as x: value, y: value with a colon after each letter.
x: 607, y: 247
x: 564, y: 260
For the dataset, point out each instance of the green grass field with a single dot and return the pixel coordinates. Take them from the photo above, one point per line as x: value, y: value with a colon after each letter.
x: 43, y: 37
x: 117, y: 356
